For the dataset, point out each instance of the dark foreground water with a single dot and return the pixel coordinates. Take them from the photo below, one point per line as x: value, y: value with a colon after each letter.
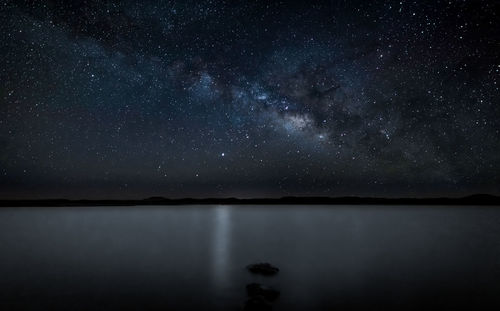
x: 194, y: 257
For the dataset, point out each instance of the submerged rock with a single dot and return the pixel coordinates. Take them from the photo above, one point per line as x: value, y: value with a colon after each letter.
x: 255, y: 289
x: 258, y: 303
x: 263, y: 268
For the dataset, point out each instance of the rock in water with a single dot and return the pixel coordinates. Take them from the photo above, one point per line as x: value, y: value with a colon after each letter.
x: 255, y: 289
x: 263, y: 268
x: 258, y: 303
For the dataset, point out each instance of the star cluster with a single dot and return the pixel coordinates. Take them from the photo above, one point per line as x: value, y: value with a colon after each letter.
x: 105, y: 99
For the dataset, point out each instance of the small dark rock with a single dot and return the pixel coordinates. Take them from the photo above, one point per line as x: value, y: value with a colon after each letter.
x: 255, y: 289
x: 263, y: 268
x: 258, y: 303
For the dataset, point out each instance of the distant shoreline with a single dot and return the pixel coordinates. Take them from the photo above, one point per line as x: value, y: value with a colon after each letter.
x: 477, y: 199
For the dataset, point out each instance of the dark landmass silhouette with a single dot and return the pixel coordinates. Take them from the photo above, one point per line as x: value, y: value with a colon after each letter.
x: 476, y: 199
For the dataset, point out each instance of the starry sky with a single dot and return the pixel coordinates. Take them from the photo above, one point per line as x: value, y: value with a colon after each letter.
x: 130, y: 99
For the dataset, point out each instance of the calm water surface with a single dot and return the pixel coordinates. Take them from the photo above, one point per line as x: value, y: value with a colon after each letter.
x: 194, y: 257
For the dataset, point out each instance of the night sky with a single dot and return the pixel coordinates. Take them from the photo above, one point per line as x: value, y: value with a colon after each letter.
x: 130, y: 99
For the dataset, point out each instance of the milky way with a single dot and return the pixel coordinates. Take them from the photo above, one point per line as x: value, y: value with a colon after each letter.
x: 128, y: 99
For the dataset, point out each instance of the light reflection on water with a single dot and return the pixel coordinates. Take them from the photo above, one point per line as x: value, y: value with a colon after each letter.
x: 221, y: 246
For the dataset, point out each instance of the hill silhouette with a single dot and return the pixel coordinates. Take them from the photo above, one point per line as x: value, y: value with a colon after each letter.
x: 476, y: 199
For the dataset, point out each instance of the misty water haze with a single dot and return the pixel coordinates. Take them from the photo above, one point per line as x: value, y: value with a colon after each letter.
x: 194, y: 257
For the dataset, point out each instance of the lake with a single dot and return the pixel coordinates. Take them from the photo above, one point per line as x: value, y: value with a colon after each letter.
x: 194, y: 257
